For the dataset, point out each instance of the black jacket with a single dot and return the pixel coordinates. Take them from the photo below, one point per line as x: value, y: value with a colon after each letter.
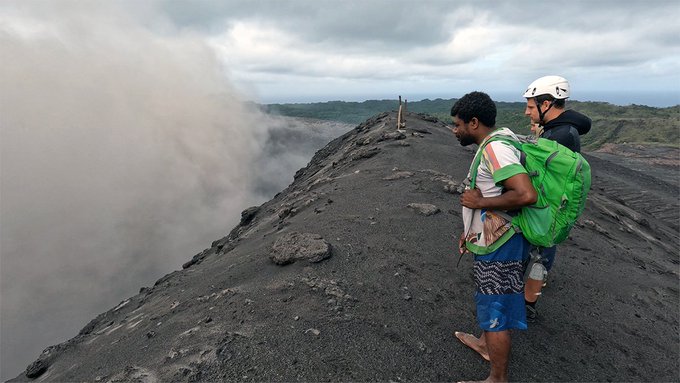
x: 566, y: 128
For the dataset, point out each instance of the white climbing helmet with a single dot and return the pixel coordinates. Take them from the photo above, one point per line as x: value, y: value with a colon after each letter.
x: 556, y: 86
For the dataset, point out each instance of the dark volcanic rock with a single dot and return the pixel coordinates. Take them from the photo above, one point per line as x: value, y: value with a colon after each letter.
x: 398, y: 175
x: 385, y: 305
x: 248, y: 215
x: 365, y: 153
x: 36, y: 369
x: 294, y: 246
x: 198, y: 258
x: 392, y: 136
x: 425, y: 209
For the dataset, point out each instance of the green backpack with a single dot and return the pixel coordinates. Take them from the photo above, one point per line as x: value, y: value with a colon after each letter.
x: 561, y: 178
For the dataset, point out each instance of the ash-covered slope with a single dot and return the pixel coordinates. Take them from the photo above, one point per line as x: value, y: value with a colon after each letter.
x: 350, y: 275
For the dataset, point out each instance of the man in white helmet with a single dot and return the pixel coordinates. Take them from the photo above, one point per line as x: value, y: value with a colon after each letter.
x: 546, y: 99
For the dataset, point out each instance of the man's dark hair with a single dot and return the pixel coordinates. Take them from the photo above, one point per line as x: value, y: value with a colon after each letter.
x: 475, y: 104
x: 546, y: 97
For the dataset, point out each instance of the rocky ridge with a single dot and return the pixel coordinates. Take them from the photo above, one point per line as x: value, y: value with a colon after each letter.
x: 349, y: 274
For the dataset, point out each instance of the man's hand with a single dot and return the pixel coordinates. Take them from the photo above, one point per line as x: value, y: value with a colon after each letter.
x: 471, y: 198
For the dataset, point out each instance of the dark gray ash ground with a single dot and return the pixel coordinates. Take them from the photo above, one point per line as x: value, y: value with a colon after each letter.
x: 383, y: 302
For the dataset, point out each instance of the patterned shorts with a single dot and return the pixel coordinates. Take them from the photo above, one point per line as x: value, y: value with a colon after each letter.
x: 500, y: 288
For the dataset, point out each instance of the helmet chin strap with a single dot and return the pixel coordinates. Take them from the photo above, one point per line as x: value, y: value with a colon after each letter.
x: 541, y: 113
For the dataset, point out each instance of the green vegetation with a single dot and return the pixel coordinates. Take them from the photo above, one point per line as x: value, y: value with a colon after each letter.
x: 632, y: 124
x: 347, y: 112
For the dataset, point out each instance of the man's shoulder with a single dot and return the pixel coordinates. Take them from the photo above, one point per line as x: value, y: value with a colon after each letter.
x: 565, y: 134
x: 500, y: 154
x: 504, y: 133
x: 570, y: 119
x: 561, y: 126
x: 503, y: 143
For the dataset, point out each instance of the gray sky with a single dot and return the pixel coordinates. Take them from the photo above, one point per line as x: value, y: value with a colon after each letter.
x: 126, y: 148
x: 279, y: 51
x: 326, y: 50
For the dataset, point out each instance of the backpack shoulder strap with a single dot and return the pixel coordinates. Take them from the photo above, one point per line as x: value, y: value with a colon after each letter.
x: 478, y: 157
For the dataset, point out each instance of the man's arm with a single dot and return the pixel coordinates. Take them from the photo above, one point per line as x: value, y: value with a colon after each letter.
x: 519, y: 192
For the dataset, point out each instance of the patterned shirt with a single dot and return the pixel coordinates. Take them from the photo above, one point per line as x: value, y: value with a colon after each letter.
x: 500, y: 161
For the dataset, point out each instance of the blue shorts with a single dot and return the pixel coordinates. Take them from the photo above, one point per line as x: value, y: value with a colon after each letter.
x: 548, y: 255
x: 499, y: 279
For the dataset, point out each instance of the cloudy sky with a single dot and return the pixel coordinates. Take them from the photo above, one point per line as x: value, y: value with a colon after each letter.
x: 304, y: 50
x: 324, y: 50
x: 126, y: 146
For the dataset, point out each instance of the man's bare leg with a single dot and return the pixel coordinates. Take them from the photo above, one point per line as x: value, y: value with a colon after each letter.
x: 532, y: 289
x: 498, y: 345
x: 477, y: 344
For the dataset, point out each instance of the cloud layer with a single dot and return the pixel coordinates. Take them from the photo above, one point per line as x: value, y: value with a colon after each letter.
x: 437, y: 46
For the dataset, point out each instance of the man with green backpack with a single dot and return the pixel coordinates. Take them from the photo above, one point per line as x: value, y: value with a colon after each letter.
x: 546, y: 99
x: 500, y: 184
x: 520, y: 192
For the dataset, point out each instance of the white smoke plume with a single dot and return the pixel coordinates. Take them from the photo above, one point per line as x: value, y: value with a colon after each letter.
x: 124, y: 151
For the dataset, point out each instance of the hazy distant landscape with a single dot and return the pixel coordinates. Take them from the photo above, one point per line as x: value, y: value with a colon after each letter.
x: 612, y: 124
x: 634, y: 136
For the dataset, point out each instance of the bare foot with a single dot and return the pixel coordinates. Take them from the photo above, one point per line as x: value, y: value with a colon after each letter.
x: 474, y: 343
x: 487, y: 380
x: 478, y: 381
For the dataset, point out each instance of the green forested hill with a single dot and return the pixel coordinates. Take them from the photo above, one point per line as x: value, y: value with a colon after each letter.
x: 633, y: 124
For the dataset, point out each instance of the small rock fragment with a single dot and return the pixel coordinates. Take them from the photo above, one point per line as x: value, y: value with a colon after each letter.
x: 313, y: 331
x: 392, y: 136
x: 451, y: 187
x: 425, y: 209
x: 398, y: 176
x: 362, y: 154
